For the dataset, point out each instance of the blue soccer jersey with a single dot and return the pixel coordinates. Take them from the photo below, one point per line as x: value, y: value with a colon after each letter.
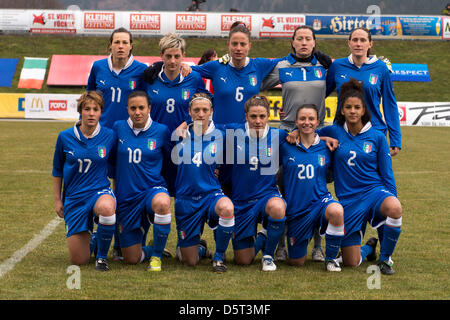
x: 114, y: 87
x: 170, y: 99
x: 197, y: 158
x: 139, y: 158
x: 233, y: 87
x: 304, y: 175
x: 255, y: 162
x: 377, y: 84
x: 83, y: 163
x: 361, y: 162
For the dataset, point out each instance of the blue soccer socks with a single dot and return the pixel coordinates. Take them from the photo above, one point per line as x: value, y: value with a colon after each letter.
x: 161, y: 230
x: 105, y: 232
x: 275, y: 229
x: 392, y: 230
x: 333, y: 239
x: 223, y: 234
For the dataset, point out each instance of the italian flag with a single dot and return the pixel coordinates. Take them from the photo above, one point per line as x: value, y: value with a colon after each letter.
x: 33, y: 73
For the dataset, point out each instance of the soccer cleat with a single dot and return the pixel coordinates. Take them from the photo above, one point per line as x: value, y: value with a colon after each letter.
x: 101, y: 264
x: 154, y: 265
x: 373, y: 243
x: 332, y: 265
x: 281, y: 254
x: 317, y: 255
x: 219, y: 266
x: 386, y: 268
x: 268, y: 264
x: 167, y: 254
x: 117, y: 254
x: 204, y: 244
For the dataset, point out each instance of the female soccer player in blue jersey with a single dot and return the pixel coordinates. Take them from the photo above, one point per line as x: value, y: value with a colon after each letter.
x: 116, y: 77
x: 364, y: 180
x: 199, y: 197
x: 238, y: 80
x: 170, y: 93
x: 309, y: 204
x: 255, y: 194
x: 81, y: 186
x: 376, y: 80
x: 140, y: 189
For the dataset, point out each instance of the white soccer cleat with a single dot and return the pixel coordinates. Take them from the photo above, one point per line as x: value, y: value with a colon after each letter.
x: 268, y: 264
x: 332, y: 266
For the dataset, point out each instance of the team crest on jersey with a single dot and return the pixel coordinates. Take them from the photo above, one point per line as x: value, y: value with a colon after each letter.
x: 132, y: 84
x: 373, y: 78
x: 253, y: 80
x: 367, y: 147
x: 182, y: 234
x: 318, y: 73
x: 101, y: 152
x: 213, y: 148
x: 321, y: 160
x: 185, y: 94
x: 151, y: 144
x: 269, y: 152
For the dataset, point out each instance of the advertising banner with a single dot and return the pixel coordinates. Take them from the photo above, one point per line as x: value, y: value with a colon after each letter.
x: 389, y: 26
x: 424, y: 113
x: 279, y: 25
x: 446, y: 28
x: 410, y: 72
x: 14, y: 20
x: 51, y: 106
x: 53, y: 21
x: 12, y: 105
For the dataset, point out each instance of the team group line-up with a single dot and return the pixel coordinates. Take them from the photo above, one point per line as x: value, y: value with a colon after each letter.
x: 200, y: 135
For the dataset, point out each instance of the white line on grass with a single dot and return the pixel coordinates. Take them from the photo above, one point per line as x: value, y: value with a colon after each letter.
x: 17, y: 256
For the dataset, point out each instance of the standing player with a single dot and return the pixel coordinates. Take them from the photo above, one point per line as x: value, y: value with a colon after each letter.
x: 170, y: 93
x: 141, y: 193
x: 364, y: 180
x: 376, y: 80
x: 116, y: 77
x: 238, y: 80
x: 302, y: 75
x: 80, y: 163
x: 199, y: 197
x: 255, y: 194
x: 309, y: 204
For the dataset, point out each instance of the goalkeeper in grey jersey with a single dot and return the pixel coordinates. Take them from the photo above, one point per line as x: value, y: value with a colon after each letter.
x: 302, y: 75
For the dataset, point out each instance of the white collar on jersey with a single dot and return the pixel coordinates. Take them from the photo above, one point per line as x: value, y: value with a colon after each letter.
x: 137, y: 130
x: 77, y: 134
x: 210, y: 129
x: 161, y: 72
x: 250, y: 132
x: 370, y: 60
x: 129, y: 62
x: 316, y: 141
x: 247, y: 61
x: 367, y: 126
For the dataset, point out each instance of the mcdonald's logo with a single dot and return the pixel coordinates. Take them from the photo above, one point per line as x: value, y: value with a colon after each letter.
x: 37, y: 105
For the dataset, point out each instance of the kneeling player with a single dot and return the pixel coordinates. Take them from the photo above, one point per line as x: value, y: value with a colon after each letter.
x: 364, y: 180
x: 309, y: 204
x: 255, y: 195
x: 80, y: 161
x: 199, y: 197
x: 141, y: 191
